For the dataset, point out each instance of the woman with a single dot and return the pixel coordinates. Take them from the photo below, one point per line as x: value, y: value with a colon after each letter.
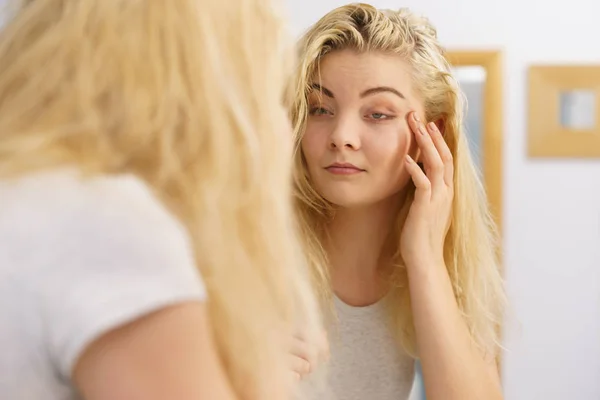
x: 392, y: 211
x: 146, y: 249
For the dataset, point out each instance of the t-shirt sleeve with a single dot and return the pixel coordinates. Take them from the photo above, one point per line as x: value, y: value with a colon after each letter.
x: 109, y: 263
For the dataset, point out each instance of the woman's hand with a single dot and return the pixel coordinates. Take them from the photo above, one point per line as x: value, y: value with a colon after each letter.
x: 428, y: 220
x: 305, y: 357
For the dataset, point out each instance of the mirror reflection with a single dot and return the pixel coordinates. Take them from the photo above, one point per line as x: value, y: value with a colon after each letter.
x: 578, y: 109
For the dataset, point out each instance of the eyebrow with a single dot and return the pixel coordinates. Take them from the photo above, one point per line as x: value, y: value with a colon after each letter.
x: 323, y: 90
x: 366, y: 93
x: 381, y: 89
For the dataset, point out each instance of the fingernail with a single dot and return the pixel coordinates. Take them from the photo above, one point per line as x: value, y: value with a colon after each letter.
x: 415, y: 117
x: 422, y: 129
x: 408, y: 159
x: 432, y: 126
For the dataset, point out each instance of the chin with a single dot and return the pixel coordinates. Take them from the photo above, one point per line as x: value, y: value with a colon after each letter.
x: 356, y: 196
x: 347, y: 198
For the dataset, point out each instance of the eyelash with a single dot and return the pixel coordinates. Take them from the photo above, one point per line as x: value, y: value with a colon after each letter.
x: 314, y: 110
x: 384, y: 117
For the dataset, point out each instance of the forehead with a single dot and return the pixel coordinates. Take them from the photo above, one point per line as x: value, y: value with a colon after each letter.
x: 347, y: 73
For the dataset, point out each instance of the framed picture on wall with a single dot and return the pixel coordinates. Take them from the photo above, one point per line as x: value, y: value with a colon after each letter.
x: 564, y: 111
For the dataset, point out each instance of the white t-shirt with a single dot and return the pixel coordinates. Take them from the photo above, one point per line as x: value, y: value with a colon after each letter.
x: 79, y: 258
x: 366, y: 362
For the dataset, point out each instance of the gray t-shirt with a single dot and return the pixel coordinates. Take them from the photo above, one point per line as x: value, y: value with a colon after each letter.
x: 366, y: 362
x: 79, y: 258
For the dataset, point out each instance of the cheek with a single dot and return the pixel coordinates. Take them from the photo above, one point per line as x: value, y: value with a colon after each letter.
x: 386, y: 157
x: 389, y: 146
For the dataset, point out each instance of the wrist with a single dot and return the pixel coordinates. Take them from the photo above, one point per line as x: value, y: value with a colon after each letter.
x: 426, y: 263
x: 426, y: 276
x: 427, y: 270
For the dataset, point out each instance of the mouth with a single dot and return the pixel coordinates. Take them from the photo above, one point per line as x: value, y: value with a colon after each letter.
x: 344, y: 169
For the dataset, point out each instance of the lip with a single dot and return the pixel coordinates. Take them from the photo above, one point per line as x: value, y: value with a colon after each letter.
x: 344, y: 169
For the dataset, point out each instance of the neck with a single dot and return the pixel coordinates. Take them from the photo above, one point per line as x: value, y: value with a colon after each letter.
x: 357, y: 250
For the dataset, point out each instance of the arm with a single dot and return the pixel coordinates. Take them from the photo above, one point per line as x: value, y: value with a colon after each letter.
x: 169, y: 354
x: 453, y: 367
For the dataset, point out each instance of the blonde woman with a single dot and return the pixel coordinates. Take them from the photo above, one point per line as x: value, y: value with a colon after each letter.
x: 146, y: 248
x: 393, y: 214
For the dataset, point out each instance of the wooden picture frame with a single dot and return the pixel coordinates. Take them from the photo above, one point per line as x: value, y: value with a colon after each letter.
x: 491, y: 131
x: 547, y: 137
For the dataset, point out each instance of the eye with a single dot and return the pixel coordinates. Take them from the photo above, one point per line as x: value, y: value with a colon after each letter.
x: 317, y: 111
x: 377, y: 116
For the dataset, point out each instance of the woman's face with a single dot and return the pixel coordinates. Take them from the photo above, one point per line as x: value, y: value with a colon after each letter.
x: 357, y: 132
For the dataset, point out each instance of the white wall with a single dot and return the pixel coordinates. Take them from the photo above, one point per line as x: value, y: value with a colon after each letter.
x: 552, y: 208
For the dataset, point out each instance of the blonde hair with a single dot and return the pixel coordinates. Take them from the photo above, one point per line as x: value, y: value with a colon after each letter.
x: 185, y: 95
x: 471, y: 246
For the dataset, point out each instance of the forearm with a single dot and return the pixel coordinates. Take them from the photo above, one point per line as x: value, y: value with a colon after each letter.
x: 453, y: 367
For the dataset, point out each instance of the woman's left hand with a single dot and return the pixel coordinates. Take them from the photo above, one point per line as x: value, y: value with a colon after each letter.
x: 428, y: 219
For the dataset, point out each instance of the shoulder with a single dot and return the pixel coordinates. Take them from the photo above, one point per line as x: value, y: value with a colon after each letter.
x: 66, y: 193
x: 64, y: 209
x: 92, y: 254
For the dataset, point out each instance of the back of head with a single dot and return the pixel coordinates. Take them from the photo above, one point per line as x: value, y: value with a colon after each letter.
x: 471, y: 245
x: 187, y: 96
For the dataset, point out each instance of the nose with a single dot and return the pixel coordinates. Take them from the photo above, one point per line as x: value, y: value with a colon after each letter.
x: 345, y: 135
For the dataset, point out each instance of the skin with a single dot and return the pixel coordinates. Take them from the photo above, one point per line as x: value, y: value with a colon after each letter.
x: 169, y: 354
x: 382, y: 132
x: 305, y: 356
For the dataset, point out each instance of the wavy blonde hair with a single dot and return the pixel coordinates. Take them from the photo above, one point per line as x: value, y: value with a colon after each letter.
x: 471, y: 246
x: 186, y: 95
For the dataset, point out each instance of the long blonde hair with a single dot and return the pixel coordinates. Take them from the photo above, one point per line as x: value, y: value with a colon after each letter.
x: 187, y: 96
x: 471, y: 247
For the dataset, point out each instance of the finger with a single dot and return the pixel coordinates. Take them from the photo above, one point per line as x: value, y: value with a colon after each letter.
x: 303, y: 350
x: 321, y: 345
x: 295, y: 377
x: 420, y: 180
x: 299, y: 365
x: 318, y: 345
x: 434, y: 167
x: 444, y: 152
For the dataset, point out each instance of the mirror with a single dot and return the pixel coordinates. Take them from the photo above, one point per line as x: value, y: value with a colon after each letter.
x: 577, y: 109
x: 471, y: 79
x: 563, y: 111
